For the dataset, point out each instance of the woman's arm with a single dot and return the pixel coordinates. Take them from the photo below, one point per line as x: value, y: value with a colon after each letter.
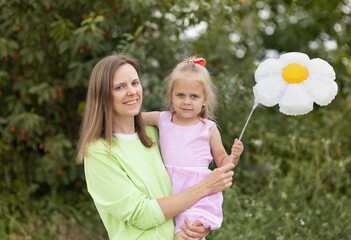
x: 112, y: 190
x: 150, y: 118
x: 219, y: 180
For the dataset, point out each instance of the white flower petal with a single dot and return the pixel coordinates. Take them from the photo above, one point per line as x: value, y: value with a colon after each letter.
x: 296, y: 100
x: 268, y: 68
x: 294, y: 57
x: 268, y: 92
x: 321, y: 67
x: 322, y: 89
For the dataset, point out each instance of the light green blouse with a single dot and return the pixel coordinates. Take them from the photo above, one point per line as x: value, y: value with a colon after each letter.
x: 125, y: 183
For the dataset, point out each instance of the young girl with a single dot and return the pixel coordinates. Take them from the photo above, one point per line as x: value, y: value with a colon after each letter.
x: 189, y: 141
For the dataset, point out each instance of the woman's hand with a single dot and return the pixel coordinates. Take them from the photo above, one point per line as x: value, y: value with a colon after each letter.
x: 194, y: 231
x: 220, y: 179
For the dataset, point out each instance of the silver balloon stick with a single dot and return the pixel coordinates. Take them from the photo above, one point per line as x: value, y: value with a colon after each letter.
x: 253, y: 108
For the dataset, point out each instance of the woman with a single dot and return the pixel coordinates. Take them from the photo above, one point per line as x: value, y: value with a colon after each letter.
x: 123, y: 167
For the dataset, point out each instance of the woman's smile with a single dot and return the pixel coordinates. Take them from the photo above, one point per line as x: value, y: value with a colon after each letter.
x: 132, y: 102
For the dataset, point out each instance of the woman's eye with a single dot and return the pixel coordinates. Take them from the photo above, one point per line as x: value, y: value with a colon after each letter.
x: 118, y: 87
x: 136, y: 83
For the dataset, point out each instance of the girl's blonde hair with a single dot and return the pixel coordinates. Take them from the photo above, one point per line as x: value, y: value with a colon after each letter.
x: 98, y: 116
x: 197, y: 73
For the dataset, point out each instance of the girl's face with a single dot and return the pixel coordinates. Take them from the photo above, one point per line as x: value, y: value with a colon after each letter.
x: 188, y: 98
x: 127, y: 92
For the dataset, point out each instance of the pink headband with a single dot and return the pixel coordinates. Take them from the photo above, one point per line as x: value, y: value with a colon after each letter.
x: 200, y: 61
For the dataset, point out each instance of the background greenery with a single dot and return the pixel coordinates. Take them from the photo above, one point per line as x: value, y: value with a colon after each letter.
x: 293, y: 180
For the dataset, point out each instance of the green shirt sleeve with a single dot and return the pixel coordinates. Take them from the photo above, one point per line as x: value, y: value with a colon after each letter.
x: 113, y: 190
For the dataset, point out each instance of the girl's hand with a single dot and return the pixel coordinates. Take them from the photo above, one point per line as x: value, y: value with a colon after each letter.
x: 194, y: 231
x: 220, y: 179
x: 237, y: 150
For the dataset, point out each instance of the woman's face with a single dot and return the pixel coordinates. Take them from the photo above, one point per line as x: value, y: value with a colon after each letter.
x: 127, y: 92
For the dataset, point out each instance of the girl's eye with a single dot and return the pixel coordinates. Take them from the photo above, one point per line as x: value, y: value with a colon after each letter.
x: 180, y: 95
x: 194, y: 96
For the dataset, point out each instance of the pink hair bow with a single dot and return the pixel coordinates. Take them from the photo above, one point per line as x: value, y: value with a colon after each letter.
x: 200, y: 61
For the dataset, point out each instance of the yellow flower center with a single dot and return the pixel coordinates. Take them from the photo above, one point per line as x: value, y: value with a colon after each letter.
x: 295, y: 73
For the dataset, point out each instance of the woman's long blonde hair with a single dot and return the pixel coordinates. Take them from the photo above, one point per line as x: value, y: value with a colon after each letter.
x: 97, y: 120
x: 197, y: 73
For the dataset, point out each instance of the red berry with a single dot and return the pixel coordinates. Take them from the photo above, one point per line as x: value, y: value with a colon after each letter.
x: 13, y: 129
x: 15, y: 57
x: 0, y: 93
x: 6, y: 59
x: 59, y: 172
x: 24, y: 95
x: 47, y: 7
x: 18, y: 28
x: 116, y: 6
x: 59, y: 90
x: 59, y: 95
x: 81, y: 51
x: 89, y: 48
x: 41, y: 146
x: 23, y: 138
x: 22, y: 131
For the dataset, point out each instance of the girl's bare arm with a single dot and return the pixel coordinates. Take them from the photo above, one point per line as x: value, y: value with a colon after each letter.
x: 151, y: 118
x: 219, y: 154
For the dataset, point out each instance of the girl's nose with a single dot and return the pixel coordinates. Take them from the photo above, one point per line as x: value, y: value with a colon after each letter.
x: 186, y: 101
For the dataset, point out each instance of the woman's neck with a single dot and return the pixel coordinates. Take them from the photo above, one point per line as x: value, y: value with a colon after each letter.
x: 124, y: 125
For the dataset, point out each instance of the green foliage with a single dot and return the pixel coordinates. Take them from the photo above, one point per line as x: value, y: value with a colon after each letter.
x: 293, y: 180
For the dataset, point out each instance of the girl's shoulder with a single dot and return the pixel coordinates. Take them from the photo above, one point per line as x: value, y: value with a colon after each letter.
x: 209, y: 122
x: 166, y: 113
x: 165, y: 116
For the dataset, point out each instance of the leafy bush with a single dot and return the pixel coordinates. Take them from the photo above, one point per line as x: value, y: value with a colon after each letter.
x: 294, y: 176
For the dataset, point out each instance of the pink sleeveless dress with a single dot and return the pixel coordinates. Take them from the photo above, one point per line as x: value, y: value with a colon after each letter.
x: 186, y: 154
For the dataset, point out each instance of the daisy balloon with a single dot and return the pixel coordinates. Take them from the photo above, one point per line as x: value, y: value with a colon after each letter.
x: 295, y: 82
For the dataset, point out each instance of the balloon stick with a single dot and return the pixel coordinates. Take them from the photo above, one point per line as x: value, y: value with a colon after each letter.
x: 253, y: 108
